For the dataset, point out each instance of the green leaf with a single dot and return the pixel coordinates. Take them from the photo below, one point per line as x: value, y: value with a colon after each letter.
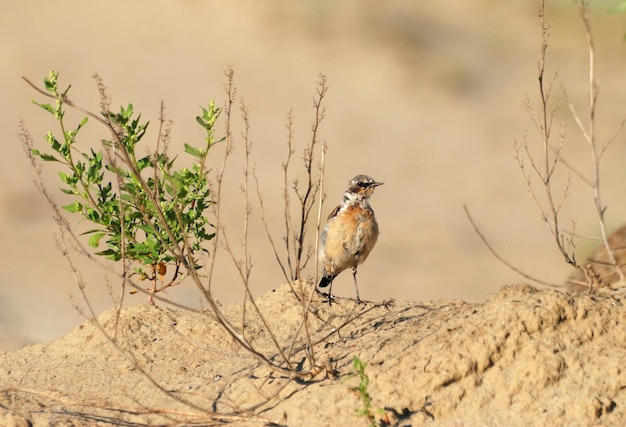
x: 201, y: 121
x: 148, y: 229
x: 94, y: 241
x: 92, y: 215
x: 46, y: 107
x: 66, y: 178
x: 51, y: 82
x: 68, y: 191
x: 49, y: 158
x: 110, y: 254
x: 54, y: 143
x: 74, y: 207
x: 64, y: 94
x: 94, y: 230
x: 143, y: 163
x: 127, y: 112
x: 45, y: 157
x: 193, y: 151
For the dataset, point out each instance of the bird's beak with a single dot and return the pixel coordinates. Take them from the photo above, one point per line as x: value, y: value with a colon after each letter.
x: 376, y: 184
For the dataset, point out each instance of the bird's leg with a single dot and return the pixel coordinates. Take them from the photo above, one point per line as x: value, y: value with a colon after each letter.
x: 330, y: 284
x: 356, y: 286
x: 330, y: 295
x: 326, y: 281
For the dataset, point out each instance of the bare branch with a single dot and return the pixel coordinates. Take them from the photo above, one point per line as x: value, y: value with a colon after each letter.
x: 500, y: 258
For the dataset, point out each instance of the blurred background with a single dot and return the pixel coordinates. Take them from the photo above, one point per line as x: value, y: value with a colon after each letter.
x: 427, y: 97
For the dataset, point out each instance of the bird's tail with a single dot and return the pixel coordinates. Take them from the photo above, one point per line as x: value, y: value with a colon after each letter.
x: 326, y: 280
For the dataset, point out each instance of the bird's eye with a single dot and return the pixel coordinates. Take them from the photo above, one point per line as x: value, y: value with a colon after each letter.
x: 363, y: 184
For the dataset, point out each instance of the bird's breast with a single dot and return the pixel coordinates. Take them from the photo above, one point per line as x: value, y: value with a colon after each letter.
x: 353, y: 231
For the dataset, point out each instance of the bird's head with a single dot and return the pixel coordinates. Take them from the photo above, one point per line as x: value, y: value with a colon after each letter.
x: 362, y: 185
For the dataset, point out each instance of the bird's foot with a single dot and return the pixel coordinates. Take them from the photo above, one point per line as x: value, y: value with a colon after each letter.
x: 330, y: 298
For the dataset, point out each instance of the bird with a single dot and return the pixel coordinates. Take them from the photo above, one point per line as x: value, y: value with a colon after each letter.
x: 350, y: 233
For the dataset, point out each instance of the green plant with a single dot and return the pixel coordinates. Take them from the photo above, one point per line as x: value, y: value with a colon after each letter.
x: 366, y: 410
x: 146, y: 211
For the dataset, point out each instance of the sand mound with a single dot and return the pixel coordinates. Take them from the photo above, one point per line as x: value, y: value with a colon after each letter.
x: 526, y: 357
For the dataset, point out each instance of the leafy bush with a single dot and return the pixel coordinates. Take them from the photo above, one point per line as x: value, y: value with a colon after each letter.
x: 144, y: 209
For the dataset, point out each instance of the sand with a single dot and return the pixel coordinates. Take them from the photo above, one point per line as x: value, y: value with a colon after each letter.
x: 525, y: 357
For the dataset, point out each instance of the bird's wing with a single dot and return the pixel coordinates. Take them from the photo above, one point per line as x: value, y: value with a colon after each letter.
x: 333, y: 213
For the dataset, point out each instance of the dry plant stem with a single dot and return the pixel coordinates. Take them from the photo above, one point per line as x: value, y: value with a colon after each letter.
x: 188, y: 417
x: 266, y: 227
x: 500, y: 258
x: 306, y: 308
x: 245, y: 265
x: 545, y: 170
x: 126, y: 354
x: 285, y: 266
x: 63, y: 401
x: 288, y: 265
x: 221, y: 238
x: 545, y: 126
x: 105, y: 103
x: 229, y: 354
x: 240, y: 338
x: 612, y: 138
x: 576, y: 172
x: 308, y: 199
x: 289, y: 226
x: 243, y: 270
x: 350, y: 320
x: 275, y: 250
x: 297, y: 234
x: 156, y: 190
x: 231, y: 93
x: 589, y: 134
x: 318, y: 223
x: 552, y: 155
x: 62, y: 223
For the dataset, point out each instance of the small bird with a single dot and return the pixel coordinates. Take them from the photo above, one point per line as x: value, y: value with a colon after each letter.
x: 350, y: 233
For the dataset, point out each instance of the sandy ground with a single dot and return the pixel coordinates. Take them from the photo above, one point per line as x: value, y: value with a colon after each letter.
x: 525, y: 357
